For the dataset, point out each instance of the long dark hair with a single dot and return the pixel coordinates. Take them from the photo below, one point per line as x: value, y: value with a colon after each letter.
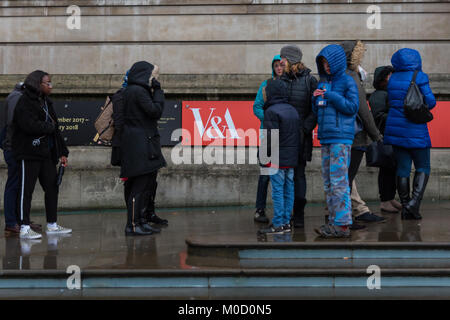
x: 34, y: 80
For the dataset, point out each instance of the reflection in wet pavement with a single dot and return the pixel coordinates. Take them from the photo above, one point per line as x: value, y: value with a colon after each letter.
x: 98, y: 240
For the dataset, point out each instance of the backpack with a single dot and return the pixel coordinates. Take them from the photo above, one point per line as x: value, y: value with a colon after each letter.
x: 104, y: 124
x: 414, y: 107
x: 109, y: 122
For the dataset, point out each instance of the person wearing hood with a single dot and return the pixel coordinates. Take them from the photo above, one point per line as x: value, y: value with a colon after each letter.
x: 301, y: 85
x: 140, y: 149
x: 258, y: 110
x: 411, y: 141
x: 379, y: 106
x: 38, y: 146
x: 281, y: 116
x: 365, y: 124
x: 336, y: 104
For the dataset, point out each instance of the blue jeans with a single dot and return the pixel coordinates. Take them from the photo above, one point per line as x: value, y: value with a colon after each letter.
x: 11, y: 189
x: 282, y: 195
x: 261, y: 196
x: 335, y: 163
x: 405, y: 157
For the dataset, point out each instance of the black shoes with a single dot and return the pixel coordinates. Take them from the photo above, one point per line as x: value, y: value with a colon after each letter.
x: 260, y: 216
x: 153, y: 218
x: 137, y: 230
x: 369, y: 217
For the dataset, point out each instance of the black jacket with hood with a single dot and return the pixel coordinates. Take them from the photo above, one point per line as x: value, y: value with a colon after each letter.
x: 140, y: 142
x: 379, y: 102
x: 34, y: 138
x: 354, y: 50
x: 11, y: 103
x: 300, y: 88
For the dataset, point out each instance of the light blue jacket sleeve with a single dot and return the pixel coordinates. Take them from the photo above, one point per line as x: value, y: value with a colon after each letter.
x: 259, y: 102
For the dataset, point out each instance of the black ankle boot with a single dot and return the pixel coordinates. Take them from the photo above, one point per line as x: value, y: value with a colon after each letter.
x: 299, y: 213
x: 403, y: 193
x: 419, y: 185
x: 147, y: 227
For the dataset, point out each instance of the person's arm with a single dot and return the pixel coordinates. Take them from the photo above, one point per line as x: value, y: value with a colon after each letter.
x: 310, y: 121
x: 424, y: 87
x: 379, y: 107
x: 271, y: 122
x: 154, y: 108
x: 29, y: 122
x: 347, y: 104
x: 259, y: 102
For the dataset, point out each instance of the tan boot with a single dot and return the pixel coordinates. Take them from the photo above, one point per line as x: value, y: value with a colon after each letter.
x: 387, y: 206
x: 396, y: 204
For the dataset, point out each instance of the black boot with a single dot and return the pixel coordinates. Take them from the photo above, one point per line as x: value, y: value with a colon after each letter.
x: 147, y: 227
x: 403, y: 193
x: 419, y: 184
x: 134, y: 227
x: 299, y: 213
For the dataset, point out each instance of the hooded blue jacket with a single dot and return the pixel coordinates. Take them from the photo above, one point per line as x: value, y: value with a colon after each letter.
x: 259, y: 101
x: 336, y: 120
x: 399, y: 130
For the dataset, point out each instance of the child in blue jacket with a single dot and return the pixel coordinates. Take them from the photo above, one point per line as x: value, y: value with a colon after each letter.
x: 335, y: 103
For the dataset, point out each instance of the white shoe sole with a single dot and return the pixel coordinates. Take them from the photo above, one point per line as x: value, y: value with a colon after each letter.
x: 30, y: 237
x: 59, y: 232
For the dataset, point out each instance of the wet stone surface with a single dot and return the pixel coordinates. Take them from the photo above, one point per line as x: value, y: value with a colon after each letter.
x: 98, y: 240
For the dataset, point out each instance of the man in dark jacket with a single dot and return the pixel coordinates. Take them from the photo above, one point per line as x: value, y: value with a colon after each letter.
x: 141, y: 155
x: 300, y: 85
x: 12, y: 184
x: 368, y: 131
x: 282, y: 117
x: 379, y: 106
x: 38, y: 145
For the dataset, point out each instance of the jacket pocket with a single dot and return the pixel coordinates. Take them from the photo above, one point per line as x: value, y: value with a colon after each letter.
x: 154, y: 147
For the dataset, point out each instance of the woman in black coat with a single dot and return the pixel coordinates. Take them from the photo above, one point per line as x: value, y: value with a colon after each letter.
x: 141, y: 155
x: 37, y: 145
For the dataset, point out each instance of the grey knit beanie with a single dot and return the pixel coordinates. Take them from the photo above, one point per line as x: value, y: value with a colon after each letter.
x: 293, y: 54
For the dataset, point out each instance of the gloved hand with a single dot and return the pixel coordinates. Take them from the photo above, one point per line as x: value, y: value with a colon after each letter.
x: 155, y: 84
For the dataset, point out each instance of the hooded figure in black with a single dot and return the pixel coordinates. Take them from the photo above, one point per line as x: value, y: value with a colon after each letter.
x: 141, y: 155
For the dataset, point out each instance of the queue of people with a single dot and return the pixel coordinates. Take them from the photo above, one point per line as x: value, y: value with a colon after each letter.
x: 291, y: 101
x: 337, y: 103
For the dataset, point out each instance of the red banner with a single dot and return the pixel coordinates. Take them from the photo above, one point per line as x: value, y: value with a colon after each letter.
x: 233, y: 123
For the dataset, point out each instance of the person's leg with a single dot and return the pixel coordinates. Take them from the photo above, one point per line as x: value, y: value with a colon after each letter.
x: 355, y: 162
x: 137, y: 199
x: 277, y: 181
x: 387, y: 189
x: 11, y: 191
x: 325, y: 152
x: 299, y: 195
x: 404, y: 161
x: 340, y: 187
x: 421, y: 159
x: 150, y: 213
x: 28, y: 175
x: 261, y: 199
x: 47, y: 179
x: 288, y: 195
x: 358, y: 205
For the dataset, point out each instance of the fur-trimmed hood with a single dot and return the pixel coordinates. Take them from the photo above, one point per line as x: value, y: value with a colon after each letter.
x: 354, y: 51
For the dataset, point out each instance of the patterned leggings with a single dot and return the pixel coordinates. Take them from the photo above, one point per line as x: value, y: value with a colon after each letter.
x: 335, y: 163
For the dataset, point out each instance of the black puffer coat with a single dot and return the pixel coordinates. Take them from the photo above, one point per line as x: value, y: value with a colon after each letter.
x: 298, y: 85
x: 140, y: 142
x: 33, y: 135
x: 379, y: 102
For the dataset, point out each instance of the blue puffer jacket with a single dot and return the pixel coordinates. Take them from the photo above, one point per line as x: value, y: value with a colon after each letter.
x: 399, y: 130
x: 336, y: 120
x: 259, y: 101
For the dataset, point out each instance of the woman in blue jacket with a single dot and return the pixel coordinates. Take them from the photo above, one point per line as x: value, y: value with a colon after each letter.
x: 258, y: 110
x: 335, y: 103
x: 411, y: 141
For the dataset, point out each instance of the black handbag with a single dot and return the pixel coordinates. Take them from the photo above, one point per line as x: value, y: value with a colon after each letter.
x: 414, y: 107
x: 380, y: 155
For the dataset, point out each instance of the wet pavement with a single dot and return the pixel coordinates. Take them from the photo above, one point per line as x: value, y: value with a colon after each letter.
x: 98, y: 240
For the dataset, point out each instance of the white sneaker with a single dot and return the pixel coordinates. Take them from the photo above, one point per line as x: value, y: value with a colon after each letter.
x: 29, y: 234
x: 57, y: 229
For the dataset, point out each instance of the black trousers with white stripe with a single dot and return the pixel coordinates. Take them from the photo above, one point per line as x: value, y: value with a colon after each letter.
x: 30, y: 172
